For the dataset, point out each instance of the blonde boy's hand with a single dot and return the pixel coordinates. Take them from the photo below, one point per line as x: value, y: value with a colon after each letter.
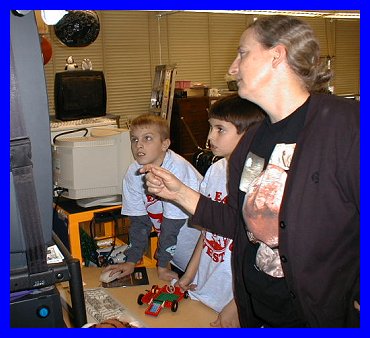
x: 125, y: 268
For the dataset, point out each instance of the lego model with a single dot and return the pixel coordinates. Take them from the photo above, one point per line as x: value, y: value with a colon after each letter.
x: 157, y: 298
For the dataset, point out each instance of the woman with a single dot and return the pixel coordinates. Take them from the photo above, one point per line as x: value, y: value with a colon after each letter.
x: 293, y: 187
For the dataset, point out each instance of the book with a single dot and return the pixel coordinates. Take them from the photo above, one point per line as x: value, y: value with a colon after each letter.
x: 138, y: 277
x: 54, y: 255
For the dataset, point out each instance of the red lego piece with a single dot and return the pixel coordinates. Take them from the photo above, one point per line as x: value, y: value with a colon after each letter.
x: 157, y: 298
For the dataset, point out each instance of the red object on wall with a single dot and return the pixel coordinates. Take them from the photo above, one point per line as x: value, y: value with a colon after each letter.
x: 46, y: 49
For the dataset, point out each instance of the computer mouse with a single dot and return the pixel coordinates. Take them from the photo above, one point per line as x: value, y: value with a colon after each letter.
x: 106, y: 278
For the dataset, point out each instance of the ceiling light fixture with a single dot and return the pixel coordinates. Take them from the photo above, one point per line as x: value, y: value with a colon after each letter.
x: 322, y: 14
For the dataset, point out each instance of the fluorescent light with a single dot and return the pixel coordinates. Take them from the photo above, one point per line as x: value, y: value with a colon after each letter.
x: 343, y: 16
x: 262, y: 12
x: 325, y: 14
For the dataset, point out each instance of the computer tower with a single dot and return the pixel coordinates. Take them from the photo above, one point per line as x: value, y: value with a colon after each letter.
x: 34, y: 299
x: 29, y: 96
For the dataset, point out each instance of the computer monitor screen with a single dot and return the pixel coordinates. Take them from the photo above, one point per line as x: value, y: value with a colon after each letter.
x: 91, y: 168
x: 79, y: 94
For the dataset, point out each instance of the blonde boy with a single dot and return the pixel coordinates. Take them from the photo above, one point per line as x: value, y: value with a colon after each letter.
x: 149, y: 145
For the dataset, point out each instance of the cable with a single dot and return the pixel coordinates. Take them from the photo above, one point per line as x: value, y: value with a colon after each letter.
x: 71, y: 132
x: 104, y: 261
x: 92, y: 236
x: 59, y: 191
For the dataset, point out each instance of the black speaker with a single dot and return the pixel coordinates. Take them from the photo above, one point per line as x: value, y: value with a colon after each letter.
x: 78, y: 28
x: 38, y: 309
x: 203, y: 159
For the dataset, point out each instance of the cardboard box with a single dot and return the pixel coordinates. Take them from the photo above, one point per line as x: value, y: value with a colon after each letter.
x: 197, y: 91
x: 182, y: 84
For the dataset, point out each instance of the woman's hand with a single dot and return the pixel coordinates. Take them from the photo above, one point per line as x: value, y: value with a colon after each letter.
x: 161, y: 182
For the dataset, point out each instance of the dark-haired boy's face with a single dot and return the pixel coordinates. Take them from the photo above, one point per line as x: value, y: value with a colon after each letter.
x: 147, y: 146
x: 223, y: 137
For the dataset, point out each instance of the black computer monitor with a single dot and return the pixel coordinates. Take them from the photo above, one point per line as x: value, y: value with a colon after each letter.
x: 79, y: 94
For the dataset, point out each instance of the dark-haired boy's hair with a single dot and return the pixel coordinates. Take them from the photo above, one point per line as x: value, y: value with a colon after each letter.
x: 240, y: 112
x: 151, y: 120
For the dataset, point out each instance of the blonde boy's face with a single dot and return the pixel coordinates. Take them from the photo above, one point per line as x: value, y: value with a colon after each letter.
x: 147, y: 146
x: 223, y: 137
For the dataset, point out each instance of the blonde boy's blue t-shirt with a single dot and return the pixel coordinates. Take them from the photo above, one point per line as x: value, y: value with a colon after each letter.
x: 135, y: 202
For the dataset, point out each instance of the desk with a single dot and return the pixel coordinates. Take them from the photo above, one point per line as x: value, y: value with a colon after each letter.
x: 74, y: 215
x: 190, y: 313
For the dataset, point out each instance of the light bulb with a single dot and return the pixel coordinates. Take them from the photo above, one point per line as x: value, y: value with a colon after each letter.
x: 52, y: 17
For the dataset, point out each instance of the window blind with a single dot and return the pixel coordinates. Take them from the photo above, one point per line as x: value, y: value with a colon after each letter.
x: 203, y: 45
x: 347, y: 57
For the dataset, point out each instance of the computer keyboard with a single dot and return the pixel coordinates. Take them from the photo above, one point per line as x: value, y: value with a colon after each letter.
x: 82, y: 123
x: 100, y: 306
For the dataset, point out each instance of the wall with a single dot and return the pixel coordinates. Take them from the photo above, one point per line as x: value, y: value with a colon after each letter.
x: 202, y: 45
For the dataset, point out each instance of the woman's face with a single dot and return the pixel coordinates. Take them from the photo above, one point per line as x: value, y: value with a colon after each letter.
x: 252, y: 67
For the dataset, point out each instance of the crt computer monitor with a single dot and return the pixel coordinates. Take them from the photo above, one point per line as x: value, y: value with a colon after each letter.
x: 79, y: 94
x: 92, y: 168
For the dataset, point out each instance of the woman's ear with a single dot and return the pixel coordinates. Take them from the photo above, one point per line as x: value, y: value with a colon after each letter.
x: 279, y: 55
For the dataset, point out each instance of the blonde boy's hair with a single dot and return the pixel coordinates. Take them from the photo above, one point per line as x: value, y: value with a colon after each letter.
x: 151, y: 120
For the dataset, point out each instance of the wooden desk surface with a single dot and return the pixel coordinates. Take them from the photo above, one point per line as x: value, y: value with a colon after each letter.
x: 190, y: 313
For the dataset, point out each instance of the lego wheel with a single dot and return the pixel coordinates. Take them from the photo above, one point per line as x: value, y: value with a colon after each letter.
x: 170, y: 288
x: 174, y: 305
x: 140, y: 299
x: 186, y: 294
